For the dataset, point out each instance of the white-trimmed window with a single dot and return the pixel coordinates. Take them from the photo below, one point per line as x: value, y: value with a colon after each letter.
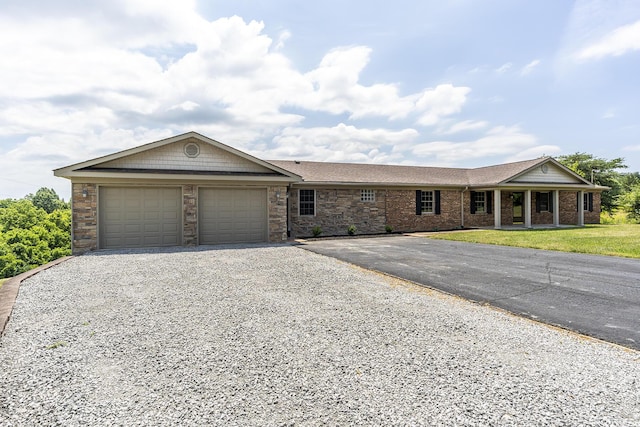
x: 426, y: 201
x: 306, y: 202
x: 367, y: 195
x: 480, y: 201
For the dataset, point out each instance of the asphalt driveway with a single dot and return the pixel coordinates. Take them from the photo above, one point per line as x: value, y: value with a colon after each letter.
x: 595, y: 295
x: 277, y: 335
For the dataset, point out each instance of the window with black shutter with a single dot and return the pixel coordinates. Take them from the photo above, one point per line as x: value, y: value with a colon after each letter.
x: 479, y: 200
x: 427, y: 202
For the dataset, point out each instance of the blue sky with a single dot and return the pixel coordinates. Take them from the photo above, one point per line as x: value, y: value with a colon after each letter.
x: 460, y: 83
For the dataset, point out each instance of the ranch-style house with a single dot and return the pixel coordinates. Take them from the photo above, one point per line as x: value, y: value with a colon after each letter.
x: 192, y: 190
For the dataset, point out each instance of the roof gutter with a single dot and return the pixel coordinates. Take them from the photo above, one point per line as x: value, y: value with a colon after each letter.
x: 462, y: 206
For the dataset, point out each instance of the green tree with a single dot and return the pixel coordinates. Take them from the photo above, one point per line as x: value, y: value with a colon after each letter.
x: 630, y: 203
x: 604, y: 172
x: 20, y: 214
x: 30, y: 237
x: 47, y: 199
x: 629, y: 180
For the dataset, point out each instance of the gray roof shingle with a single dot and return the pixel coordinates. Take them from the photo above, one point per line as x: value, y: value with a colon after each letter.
x: 359, y: 173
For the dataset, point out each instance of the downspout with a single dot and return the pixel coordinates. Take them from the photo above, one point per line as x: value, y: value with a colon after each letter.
x: 462, y: 206
x: 286, y: 201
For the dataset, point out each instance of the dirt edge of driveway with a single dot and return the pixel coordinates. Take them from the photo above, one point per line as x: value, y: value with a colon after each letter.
x: 10, y: 288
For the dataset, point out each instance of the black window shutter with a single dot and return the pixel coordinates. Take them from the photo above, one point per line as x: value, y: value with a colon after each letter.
x: 418, y: 202
x: 537, y: 202
x: 473, y: 201
x: 550, y: 201
x: 590, y: 202
x: 489, y: 201
x: 437, y: 196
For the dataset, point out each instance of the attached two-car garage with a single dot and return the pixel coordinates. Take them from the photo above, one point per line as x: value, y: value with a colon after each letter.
x: 135, y: 217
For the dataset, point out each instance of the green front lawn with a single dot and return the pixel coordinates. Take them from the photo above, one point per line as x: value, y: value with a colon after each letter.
x: 2, y: 281
x: 616, y: 240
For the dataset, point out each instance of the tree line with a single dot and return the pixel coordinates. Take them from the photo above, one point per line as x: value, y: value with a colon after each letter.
x: 33, y: 231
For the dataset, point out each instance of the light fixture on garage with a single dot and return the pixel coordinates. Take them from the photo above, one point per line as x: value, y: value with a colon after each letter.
x: 85, y: 192
x: 191, y: 149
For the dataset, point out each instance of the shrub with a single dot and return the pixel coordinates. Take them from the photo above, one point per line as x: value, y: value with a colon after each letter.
x: 352, y: 230
x: 388, y: 228
x: 316, y: 231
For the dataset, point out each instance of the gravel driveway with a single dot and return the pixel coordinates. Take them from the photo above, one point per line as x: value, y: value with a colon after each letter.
x: 273, y: 335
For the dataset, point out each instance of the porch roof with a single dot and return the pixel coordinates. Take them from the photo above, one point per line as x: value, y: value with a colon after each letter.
x: 326, y: 173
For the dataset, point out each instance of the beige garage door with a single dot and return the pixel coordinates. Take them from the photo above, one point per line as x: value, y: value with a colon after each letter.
x: 139, y: 217
x: 232, y: 215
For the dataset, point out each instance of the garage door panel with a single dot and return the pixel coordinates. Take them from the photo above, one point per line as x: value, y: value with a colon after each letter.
x: 140, y: 217
x: 130, y: 228
x: 232, y: 215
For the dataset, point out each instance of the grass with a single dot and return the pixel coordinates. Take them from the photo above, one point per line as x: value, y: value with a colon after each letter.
x: 2, y: 281
x: 615, y: 240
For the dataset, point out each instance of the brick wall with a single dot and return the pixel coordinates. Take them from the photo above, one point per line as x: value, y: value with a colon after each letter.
x: 336, y: 210
x: 569, y: 213
x: 594, y: 217
x: 401, y: 212
x: 478, y: 219
x: 544, y: 217
x: 84, y: 217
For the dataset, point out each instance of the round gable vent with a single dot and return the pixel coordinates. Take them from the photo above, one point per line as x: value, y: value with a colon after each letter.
x: 191, y: 149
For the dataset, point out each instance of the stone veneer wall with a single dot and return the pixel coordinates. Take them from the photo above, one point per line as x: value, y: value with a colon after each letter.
x: 190, y: 215
x: 401, y: 212
x: 336, y: 210
x: 277, y: 200
x: 84, y: 218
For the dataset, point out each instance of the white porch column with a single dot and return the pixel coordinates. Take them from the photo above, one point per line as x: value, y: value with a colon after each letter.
x: 497, y: 209
x: 556, y: 208
x: 581, y: 209
x: 526, y: 207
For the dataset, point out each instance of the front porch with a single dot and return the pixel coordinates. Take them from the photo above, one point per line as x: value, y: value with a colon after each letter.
x: 540, y: 208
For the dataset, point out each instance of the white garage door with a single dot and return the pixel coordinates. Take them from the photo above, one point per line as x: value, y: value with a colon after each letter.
x: 140, y: 217
x: 231, y: 215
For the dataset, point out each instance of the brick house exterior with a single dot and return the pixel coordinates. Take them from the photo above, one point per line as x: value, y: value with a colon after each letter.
x: 192, y: 190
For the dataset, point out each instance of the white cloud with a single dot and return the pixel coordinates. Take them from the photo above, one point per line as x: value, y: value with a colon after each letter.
x: 529, y: 67
x: 442, y: 101
x: 609, y: 114
x: 338, y: 144
x: 84, y: 82
x: 282, y: 38
x: 504, y: 68
x: 500, y: 141
x: 336, y: 90
x: 534, y: 152
x: 618, y: 42
x: 28, y: 166
x: 466, y: 125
